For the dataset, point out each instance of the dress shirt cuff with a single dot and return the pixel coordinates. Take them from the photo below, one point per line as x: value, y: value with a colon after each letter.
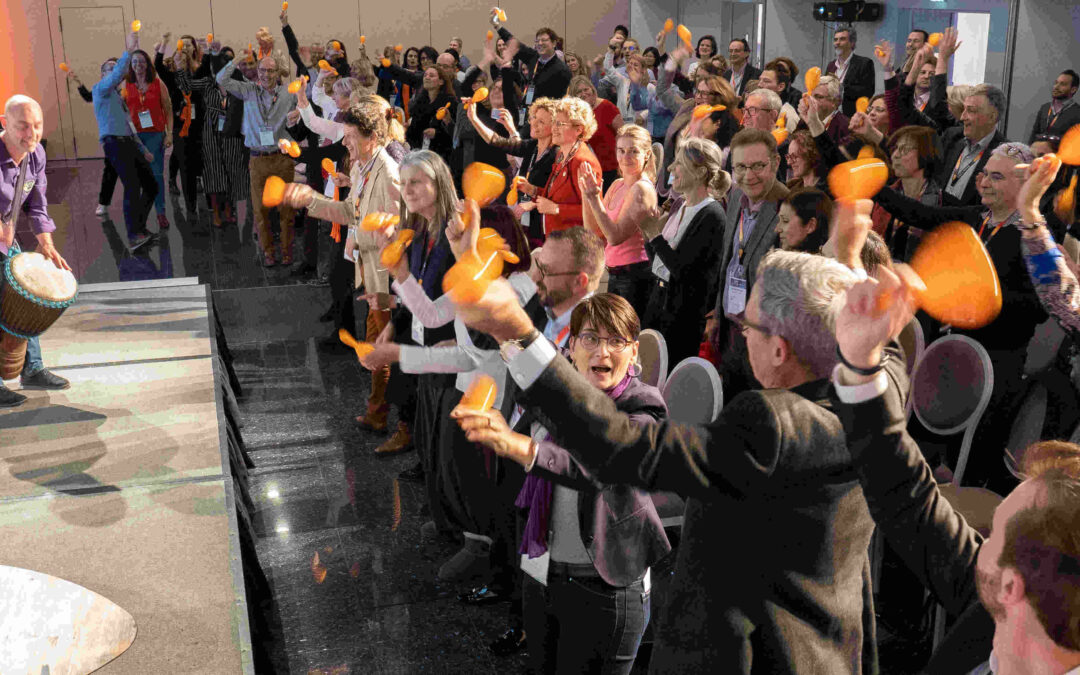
x: 858, y: 393
x: 527, y: 366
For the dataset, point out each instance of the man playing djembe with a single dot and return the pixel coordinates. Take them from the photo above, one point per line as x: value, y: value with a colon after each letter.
x: 22, y: 188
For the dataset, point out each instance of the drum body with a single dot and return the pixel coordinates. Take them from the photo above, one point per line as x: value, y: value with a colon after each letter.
x: 33, y: 296
x: 12, y: 356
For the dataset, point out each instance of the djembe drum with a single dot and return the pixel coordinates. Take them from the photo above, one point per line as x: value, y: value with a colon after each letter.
x: 34, y: 295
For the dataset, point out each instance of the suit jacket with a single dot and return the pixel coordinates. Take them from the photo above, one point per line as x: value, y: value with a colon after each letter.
x: 619, y: 525
x: 749, y: 73
x: 759, y: 242
x: 772, y: 574
x: 859, y: 81
x: 562, y: 189
x: 1045, y: 123
x: 678, y: 308
x: 953, y: 143
x: 550, y: 79
x: 936, y: 544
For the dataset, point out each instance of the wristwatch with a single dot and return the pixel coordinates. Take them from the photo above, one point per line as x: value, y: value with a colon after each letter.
x: 511, y: 348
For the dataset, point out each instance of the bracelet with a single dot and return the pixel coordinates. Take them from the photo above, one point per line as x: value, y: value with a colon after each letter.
x: 1033, y: 226
x: 862, y: 371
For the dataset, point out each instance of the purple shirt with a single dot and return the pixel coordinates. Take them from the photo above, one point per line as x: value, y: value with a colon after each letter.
x: 33, y: 189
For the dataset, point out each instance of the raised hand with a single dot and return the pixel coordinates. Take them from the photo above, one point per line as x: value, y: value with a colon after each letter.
x: 950, y: 42
x: 587, y: 183
x: 884, y: 53
x: 489, y: 428
x: 298, y: 196
x: 1038, y: 177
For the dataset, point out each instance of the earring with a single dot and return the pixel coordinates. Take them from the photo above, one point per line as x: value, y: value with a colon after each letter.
x: 635, y: 369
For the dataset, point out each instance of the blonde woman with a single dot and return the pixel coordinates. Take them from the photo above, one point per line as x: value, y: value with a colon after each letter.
x: 560, y: 200
x: 615, y: 217
x: 608, y: 120
x: 376, y: 187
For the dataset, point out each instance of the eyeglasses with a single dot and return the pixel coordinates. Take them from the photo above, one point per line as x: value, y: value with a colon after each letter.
x: 994, y: 177
x: 753, y: 110
x: 746, y: 325
x: 901, y: 150
x: 706, y: 92
x: 591, y: 341
x: 544, y: 270
x: 756, y: 167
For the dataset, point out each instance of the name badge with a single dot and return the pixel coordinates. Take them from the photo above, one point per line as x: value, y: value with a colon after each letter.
x: 221, y: 124
x: 736, y: 293
x: 427, y: 143
x: 145, y: 120
x: 521, y: 116
x: 417, y: 331
x: 193, y: 111
x: 266, y: 138
x: 537, y: 568
x: 530, y: 94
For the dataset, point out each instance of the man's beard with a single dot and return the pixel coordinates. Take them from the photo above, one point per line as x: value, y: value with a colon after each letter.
x: 549, y: 297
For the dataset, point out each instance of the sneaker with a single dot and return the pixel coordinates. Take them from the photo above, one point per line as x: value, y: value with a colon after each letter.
x: 140, y: 240
x: 101, y: 210
x: 10, y: 399
x: 44, y: 379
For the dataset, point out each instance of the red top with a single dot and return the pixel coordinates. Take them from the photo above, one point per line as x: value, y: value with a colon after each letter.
x: 603, y: 141
x: 150, y: 101
x: 562, y: 188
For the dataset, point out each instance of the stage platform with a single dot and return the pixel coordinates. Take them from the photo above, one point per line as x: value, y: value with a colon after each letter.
x: 132, y: 482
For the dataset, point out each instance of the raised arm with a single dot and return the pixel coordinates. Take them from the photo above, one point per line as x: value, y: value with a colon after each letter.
x: 292, y: 43
x: 241, y: 90
x: 636, y: 206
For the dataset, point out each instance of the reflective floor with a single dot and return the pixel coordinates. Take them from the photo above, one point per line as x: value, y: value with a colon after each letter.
x: 370, y: 601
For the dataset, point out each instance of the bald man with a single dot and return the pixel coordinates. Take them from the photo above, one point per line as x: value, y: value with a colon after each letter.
x: 22, y: 189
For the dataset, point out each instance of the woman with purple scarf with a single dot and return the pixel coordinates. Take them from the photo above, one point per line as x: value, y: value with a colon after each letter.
x: 586, y: 547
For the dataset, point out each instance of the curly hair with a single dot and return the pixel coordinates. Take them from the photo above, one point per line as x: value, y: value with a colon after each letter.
x: 579, y: 112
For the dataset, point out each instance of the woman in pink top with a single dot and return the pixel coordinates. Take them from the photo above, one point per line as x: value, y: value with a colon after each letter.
x: 615, y: 217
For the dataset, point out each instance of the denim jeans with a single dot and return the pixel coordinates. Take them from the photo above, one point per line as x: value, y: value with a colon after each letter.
x: 583, y: 625
x: 155, y: 143
x: 133, y: 170
x: 33, y: 362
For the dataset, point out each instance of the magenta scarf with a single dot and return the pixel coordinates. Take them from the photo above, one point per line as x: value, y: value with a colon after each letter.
x: 535, y: 495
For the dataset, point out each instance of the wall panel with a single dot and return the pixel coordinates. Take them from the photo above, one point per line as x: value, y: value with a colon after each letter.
x: 590, y: 25
x: 397, y: 22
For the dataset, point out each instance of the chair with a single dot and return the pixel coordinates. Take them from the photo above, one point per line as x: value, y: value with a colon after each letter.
x: 950, y: 390
x: 914, y: 343
x: 653, y: 355
x: 1028, y: 423
x: 694, y: 395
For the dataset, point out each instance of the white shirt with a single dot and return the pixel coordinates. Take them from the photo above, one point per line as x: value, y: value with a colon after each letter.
x: 674, y: 231
x: 991, y: 666
x: 842, y: 66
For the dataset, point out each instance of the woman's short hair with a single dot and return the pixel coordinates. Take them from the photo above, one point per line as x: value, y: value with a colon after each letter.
x: 395, y: 131
x: 808, y: 203
x: 924, y: 139
x: 703, y: 38
x: 955, y: 95
x: 786, y: 63
x: 369, y: 120
x: 606, y: 311
x: 578, y: 111
x: 405, y: 57
x: 809, y: 147
x: 551, y: 105
x: 728, y: 97
x: 430, y: 52
x: 831, y: 84
x: 643, y: 140
x: 346, y: 86
x: 567, y: 55
x: 434, y: 167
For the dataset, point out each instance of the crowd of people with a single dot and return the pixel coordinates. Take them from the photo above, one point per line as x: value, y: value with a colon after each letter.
x: 695, y: 186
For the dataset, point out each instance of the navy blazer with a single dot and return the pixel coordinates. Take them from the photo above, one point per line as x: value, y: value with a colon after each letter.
x: 620, y: 527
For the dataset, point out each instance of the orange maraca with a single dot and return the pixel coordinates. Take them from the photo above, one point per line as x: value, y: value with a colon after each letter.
x: 862, y: 104
x: 273, y: 192
x: 467, y: 281
x: 285, y: 6
x: 335, y: 44
x: 481, y: 393
x: 781, y: 121
x: 478, y: 96
x: 811, y: 79
x: 512, y: 195
x: 934, y: 39
x: 376, y: 221
x: 328, y: 166
x: 325, y: 65
x: 780, y: 134
x: 391, y: 254
x: 482, y: 183
x: 879, y: 52
x: 64, y: 67
x: 1065, y: 202
x: 290, y: 148
x: 669, y: 26
x: 295, y: 86
x: 363, y: 39
x: 702, y: 111
x: 500, y: 14
x: 490, y: 241
x: 179, y: 45
x: 398, y: 48
x: 489, y: 35
x: 684, y: 35
x: 858, y: 179
x: 136, y: 26
x: 442, y: 112
x: 962, y: 287
x: 385, y: 63
x: 1069, y: 148
x: 362, y: 349
x: 209, y: 38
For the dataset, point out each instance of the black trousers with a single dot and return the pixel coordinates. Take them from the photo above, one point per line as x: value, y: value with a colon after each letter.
x: 135, y: 173
x: 188, y: 154
x: 633, y: 283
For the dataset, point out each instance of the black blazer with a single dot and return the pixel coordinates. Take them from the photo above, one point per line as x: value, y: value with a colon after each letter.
x: 953, y: 143
x: 772, y: 574
x: 1066, y: 119
x: 859, y: 81
x: 551, y: 79
x: 678, y: 308
x: 933, y: 539
x: 749, y: 73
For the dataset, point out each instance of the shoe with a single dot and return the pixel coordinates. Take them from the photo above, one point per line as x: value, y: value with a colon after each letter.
x: 286, y: 259
x: 399, y: 442
x: 268, y: 260
x: 483, y: 595
x: 414, y: 474
x: 510, y: 642
x: 10, y: 399
x: 301, y: 270
x: 374, y: 419
x: 101, y: 210
x: 140, y: 240
x: 43, y: 379
x: 471, y: 561
x: 162, y: 221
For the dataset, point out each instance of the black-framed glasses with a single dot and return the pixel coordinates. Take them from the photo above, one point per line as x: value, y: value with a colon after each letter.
x: 756, y: 167
x: 746, y: 325
x: 545, y: 272
x: 591, y: 341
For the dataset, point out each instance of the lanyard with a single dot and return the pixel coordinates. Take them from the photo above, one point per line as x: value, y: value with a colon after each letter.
x: 961, y: 170
x: 742, y: 238
x: 558, y: 167
x: 264, y: 111
x: 1052, y: 118
x: 561, y: 337
x: 985, y: 222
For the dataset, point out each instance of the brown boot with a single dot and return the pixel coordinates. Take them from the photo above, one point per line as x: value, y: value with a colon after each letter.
x: 374, y: 419
x: 399, y: 442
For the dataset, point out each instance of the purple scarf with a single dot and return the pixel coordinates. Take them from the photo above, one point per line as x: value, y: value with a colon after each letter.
x: 535, y: 495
